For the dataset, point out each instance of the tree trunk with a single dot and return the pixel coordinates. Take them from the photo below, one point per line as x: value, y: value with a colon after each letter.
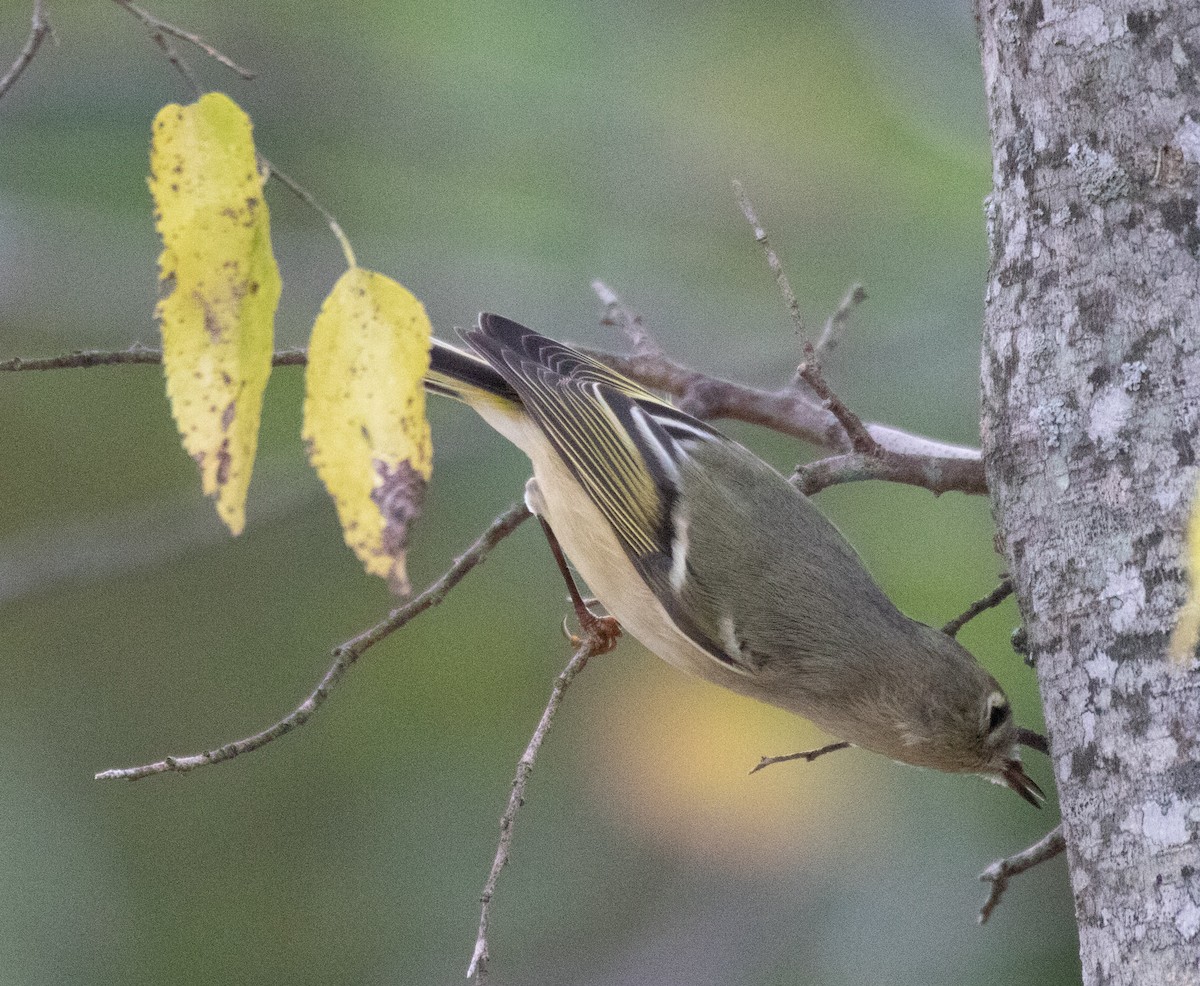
x: 1091, y: 402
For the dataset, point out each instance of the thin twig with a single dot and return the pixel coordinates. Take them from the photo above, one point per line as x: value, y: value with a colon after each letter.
x: 344, y: 656
x: 1001, y: 871
x: 836, y: 323
x: 38, y: 31
x: 911, y: 459
x: 808, y: 755
x: 161, y: 31
x: 306, y: 197
x: 478, y: 967
x: 993, y: 598
x: 861, y: 440
x: 136, y: 355
x: 162, y: 37
x: 760, y: 237
x: 628, y: 321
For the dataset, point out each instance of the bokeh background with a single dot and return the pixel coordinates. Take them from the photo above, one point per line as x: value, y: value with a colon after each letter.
x: 493, y: 155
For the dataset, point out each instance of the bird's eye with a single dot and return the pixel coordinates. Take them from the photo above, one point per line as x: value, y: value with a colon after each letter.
x: 999, y: 711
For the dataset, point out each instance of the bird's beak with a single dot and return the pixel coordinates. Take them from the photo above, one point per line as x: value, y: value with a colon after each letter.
x: 1014, y: 777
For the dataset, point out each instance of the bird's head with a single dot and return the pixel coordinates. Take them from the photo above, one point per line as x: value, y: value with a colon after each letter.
x: 965, y: 723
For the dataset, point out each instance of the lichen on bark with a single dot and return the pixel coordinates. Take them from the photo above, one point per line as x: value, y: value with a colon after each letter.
x: 1091, y: 409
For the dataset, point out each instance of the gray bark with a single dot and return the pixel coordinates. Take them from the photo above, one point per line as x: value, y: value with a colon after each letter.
x: 1091, y: 403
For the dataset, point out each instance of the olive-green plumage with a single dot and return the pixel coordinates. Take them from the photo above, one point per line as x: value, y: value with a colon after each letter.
x: 716, y: 563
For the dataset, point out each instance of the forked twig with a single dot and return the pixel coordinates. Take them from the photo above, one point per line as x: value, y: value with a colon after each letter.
x: 162, y: 31
x: 1001, y: 871
x: 628, y: 321
x: 861, y: 440
x: 38, y: 31
x: 344, y: 656
x: 910, y: 459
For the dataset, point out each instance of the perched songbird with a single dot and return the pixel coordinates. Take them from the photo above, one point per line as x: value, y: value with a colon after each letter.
x: 716, y: 563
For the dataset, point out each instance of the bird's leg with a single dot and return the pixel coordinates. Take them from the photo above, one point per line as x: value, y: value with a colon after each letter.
x: 604, y: 629
x: 808, y: 755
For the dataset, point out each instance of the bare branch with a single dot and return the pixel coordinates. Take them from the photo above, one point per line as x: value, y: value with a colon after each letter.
x: 790, y: 413
x: 760, y: 237
x: 992, y: 599
x: 906, y: 458
x: 162, y: 31
x: 861, y: 440
x: 592, y: 644
x: 909, y: 459
x: 836, y: 323
x: 137, y: 355
x: 629, y: 322
x: 161, y: 37
x: 899, y: 456
x: 344, y: 656
x: 938, y: 474
x: 38, y: 31
x: 808, y: 755
x: 1001, y: 871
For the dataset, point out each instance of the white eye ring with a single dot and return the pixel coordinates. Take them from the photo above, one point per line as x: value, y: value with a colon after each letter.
x: 996, y: 702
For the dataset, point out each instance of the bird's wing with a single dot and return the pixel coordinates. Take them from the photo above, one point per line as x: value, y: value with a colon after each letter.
x: 623, y: 444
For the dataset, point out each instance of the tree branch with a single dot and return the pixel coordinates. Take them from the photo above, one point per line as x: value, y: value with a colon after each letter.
x: 135, y: 355
x: 773, y: 262
x: 913, y: 460
x: 861, y: 440
x: 836, y: 323
x: 1001, y: 871
x: 938, y: 474
x: 162, y: 31
x: 592, y: 644
x: 907, y: 458
x: 38, y: 31
x: 344, y: 656
x: 992, y: 599
x: 808, y: 755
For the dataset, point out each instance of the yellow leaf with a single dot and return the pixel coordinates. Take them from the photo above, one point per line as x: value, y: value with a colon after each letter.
x: 220, y: 289
x: 1187, y: 628
x: 364, y: 415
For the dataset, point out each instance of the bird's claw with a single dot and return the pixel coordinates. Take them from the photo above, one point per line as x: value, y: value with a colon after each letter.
x: 602, y: 632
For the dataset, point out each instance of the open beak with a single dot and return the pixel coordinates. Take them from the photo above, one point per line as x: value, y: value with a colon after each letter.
x: 1016, y: 779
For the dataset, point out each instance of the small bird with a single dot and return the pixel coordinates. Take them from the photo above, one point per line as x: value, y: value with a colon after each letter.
x: 713, y: 561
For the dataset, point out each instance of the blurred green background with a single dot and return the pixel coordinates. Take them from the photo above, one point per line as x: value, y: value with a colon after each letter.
x: 500, y: 156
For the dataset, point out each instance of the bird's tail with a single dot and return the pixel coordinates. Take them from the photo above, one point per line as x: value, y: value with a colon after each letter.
x: 456, y: 373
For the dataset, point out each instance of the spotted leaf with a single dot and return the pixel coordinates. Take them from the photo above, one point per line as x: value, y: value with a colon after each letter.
x: 219, y: 289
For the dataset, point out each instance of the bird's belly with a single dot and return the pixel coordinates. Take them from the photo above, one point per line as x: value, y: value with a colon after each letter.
x: 589, y: 542
x: 591, y: 545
